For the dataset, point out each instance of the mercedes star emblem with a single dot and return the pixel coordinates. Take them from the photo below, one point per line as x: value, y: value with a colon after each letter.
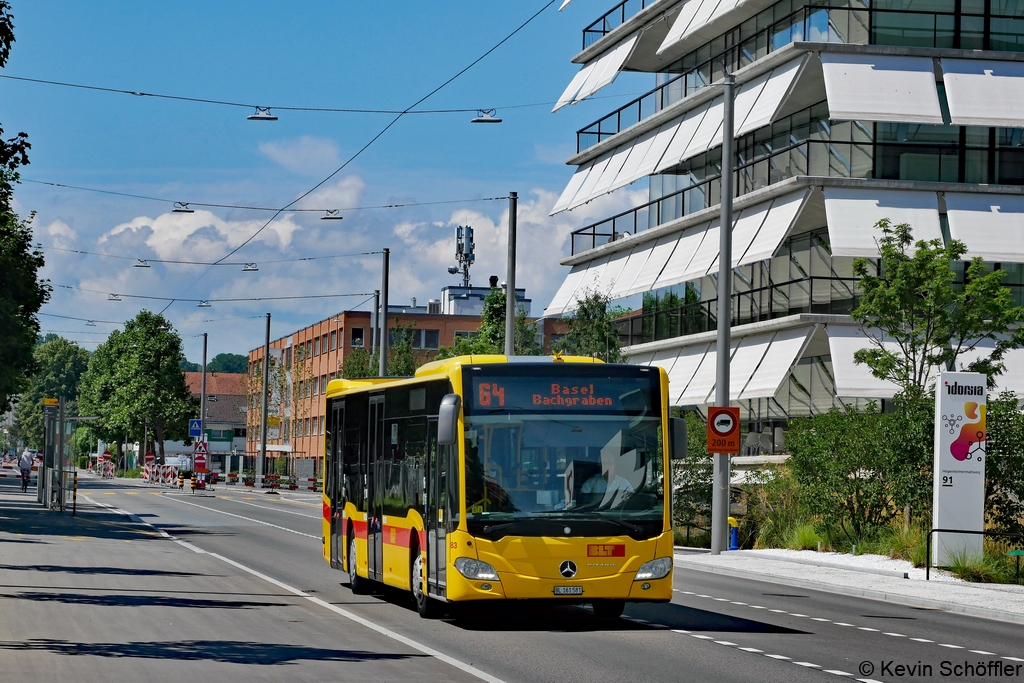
x: 567, y: 569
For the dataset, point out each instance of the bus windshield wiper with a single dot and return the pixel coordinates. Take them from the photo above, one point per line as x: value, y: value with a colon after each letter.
x: 633, y: 528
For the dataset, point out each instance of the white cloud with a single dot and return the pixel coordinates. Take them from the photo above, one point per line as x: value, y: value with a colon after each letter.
x: 304, y: 155
x: 61, y: 234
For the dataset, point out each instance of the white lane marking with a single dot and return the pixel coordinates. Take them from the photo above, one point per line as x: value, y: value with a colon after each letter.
x: 779, y: 611
x: 896, y: 635
x: 720, y: 599
x: 703, y: 596
x: 757, y: 607
x: 798, y: 615
x: 922, y: 640
x: 981, y: 652
x: 248, y: 519
x: 687, y: 592
x: 951, y: 647
x: 841, y: 623
x: 779, y: 657
x: 751, y: 649
x: 837, y: 672
x: 820, y: 619
x: 725, y: 642
x: 679, y: 630
x: 264, y: 507
x: 733, y: 602
x: 697, y: 635
x: 1014, y: 659
x: 458, y: 664
x: 808, y: 665
x: 867, y: 628
x: 868, y: 680
x: 351, y: 616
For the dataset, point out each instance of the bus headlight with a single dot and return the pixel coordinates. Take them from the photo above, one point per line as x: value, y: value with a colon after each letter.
x: 475, y: 569
x: 655, y: 569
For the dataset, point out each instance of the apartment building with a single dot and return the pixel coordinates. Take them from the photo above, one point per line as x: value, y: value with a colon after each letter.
x: 846, y: 112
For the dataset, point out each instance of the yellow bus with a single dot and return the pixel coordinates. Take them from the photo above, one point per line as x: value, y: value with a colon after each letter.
x: 486, y: 478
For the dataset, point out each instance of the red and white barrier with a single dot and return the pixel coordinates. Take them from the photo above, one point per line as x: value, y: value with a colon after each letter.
x: 164, y: 475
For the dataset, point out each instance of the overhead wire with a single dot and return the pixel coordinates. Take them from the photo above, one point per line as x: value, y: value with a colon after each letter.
x: 207, y: 263
x: 231, y: 300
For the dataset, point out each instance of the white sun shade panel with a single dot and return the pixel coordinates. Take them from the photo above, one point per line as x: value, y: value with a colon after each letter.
x: 665, y: 358
x: 611, y: 271
x: 687, y: 246
x: 708, y: 132
x: 688, y: 126
x: 655, y: 263
x: 745, y: 227
x: 586, y: 192
x: 853, y: 380
x: 588, y: 283
x: 1012, y: 377
x: 724, y: 7
x: 852, y: 213
x: 881, y: 88
x: 746, y: 97
x: 607, y: 68
x: 702, y: 16
x: 567, y: 289
x: 776, y: 364
x: 569, y: 96
x: 784, y: 213
x: 984, y: 92
x: 992, y: 226
x: 690, y: 359
x: 745, y: 360
x: 682, y: 22
x: 705, y: 255
x: 703, y: 380
x: 775, y: 91
x: 641, y: 358
x: 630, y: 170
x: 658, y: 148
x: 565, y: 3
x: 575, y: 183
x: 634, y: 264
x: 606, y: 183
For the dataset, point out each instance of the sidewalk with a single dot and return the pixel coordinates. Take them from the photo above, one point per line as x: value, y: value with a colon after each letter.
x: 803, y: 570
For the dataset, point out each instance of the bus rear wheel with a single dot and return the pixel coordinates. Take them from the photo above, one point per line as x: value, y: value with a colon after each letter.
x: 609, y: 609
x: 356, y: 583
x: 426, y: 607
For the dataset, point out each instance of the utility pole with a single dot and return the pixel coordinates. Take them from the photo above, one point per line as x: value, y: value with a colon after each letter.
x: 720, y: 476
x: 266, y: 385
x: 510, y: 278
x: 375, y: 323
x: 383, y: 369
x: 202, y: 399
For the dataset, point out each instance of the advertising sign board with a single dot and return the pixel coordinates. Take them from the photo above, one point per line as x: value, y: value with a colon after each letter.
x: 958, y: 494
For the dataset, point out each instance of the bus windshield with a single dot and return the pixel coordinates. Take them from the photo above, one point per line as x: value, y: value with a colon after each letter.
x: 563, y: 443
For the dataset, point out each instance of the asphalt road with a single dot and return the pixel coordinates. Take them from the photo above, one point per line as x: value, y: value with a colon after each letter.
x: 716, y: 629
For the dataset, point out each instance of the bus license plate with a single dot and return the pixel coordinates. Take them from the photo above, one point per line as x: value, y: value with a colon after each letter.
x: 568, y: 590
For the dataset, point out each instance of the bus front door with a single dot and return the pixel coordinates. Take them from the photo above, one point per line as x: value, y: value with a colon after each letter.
x: 376, y: 484
x: 437, y: 514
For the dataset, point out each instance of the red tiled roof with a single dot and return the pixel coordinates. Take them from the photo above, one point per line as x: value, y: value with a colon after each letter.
x: 218, y: 383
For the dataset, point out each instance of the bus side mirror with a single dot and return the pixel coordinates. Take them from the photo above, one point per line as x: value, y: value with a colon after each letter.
x: 448, y: 421
x: 677, y: 431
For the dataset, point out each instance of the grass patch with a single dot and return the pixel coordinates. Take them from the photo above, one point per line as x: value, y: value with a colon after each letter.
x: 803, y: 537
x: 691, y: 537
x: 984, y: 568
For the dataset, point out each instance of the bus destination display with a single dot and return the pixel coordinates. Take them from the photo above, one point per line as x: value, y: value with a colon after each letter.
x: 557, y: 393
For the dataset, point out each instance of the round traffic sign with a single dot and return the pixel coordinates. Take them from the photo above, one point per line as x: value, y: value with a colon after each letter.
x: 200, y: 462
x: 723, y: 424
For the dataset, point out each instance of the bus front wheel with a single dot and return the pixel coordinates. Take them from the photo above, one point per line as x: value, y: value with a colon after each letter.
x: 356, y: 583
x: 609, y: 609
x: 426, y: 607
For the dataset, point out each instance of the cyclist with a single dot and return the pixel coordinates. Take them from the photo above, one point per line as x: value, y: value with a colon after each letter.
x: 26, y: 468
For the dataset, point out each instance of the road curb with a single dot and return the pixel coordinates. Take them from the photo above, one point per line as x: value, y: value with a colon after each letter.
x: 905, y: 600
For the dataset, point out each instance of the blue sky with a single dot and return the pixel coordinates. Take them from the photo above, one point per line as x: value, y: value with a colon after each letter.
x: 318, y: 54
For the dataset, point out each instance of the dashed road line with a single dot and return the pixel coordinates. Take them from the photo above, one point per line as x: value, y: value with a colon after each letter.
x: 264, y: 507
x: 248, y: 519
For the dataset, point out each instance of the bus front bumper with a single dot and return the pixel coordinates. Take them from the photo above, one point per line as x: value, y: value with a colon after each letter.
x: 510, y: 586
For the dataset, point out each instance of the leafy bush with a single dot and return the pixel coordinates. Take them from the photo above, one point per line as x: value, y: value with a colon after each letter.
x: 83, y: 462
x: 773, y: 507
x: 691, y: 536
x: 133, y: 473
x: 1004, y: 465
x: 691, y: 477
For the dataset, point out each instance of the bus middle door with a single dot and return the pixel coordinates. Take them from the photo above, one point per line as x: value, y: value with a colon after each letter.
x: 376, y: 485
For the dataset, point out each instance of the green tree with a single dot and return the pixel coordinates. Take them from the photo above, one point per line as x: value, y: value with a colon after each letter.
x: 228, y: 362
x: 96, y: 390
x: 850, y: 474
x: 401, y: 359
x: 490, y: 335
x: 148, y: 386
x: 1004, y: 464
x: 188, y: 366
x: 359, y: 364
x: 22, y: 293
x: 59, y: 366
x: 912, y: 300
x: 692, y: 477
x: 591, y: 329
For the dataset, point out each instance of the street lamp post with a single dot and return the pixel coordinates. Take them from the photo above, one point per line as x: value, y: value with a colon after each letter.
x: 510, y: 277
x: 383, y: 343
x: 266, y: 385
x: 720, y: 477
